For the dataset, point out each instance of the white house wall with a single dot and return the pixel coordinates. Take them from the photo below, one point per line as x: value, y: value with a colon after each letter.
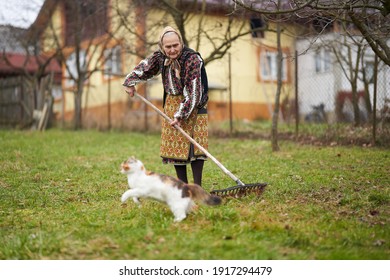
x: 315, y: 88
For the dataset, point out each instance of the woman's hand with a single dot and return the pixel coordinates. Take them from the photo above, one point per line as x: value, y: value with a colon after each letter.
x: 130, y: 90
x: 176, y: 121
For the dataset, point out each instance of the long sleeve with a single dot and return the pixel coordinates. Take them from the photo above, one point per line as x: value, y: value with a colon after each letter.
x: 192, y: 89
x: 145, y: 70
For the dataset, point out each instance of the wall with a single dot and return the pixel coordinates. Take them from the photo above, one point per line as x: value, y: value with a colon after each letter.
x: 252, y: 98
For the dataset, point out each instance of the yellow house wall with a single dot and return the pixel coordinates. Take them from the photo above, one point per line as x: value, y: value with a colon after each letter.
x: 100, y: 86
x: 247, y: 89
x: 249, y: 94
x: 55, y: 24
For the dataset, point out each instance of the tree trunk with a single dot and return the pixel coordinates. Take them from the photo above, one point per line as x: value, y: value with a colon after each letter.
x: 275, y: 116
x: 367, y: 100
x: 355, y: 104
x: 77, y: 108
x: 355, y: 94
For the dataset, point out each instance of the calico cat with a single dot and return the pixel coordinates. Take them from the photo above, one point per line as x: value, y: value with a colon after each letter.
x: 178, y: 195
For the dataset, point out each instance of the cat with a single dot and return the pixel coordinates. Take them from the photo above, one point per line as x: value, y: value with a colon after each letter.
x: 178, y: 195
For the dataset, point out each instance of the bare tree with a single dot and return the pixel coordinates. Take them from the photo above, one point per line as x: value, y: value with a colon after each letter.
x: 275, y: 116
x: 370, y: 17
x: 220, y: 36
x: 349, y: 57
x: 80, y: 45
x: 32, y: 66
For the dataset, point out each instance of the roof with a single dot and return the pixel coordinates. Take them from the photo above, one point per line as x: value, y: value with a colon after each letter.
x: 43, y: 17
x: 11, y: 39
x: 20, y: 63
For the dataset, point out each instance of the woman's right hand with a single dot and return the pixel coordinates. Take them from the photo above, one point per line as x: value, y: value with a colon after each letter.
x: 130, y: 90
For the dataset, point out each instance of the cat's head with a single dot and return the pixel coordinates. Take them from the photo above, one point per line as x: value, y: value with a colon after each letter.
x: 131, y: 165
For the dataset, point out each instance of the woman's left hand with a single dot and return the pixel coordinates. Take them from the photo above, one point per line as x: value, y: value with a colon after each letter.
x: 176, y: 121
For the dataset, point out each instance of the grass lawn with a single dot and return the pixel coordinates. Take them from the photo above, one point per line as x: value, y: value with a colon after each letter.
x: 60, y: 199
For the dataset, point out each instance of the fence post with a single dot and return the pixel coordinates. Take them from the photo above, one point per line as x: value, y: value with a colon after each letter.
x: 373, y: 141
x: 230, y: 95
x: 296, y: 96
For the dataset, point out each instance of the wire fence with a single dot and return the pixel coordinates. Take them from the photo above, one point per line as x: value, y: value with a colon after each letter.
x: 326, y: 94
x: 332, y: 97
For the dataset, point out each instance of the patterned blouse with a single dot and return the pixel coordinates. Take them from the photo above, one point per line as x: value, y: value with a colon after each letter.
x: 190, y: 73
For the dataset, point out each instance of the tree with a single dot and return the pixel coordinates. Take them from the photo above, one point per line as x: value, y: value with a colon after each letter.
x: 84, y: 45
x: 21, y: 53
x: 351, y: 54
x: 79, y: 44
x: 275, y: 116
x: 370, y: 17
x: 220, y: 37
x: 181, y: 13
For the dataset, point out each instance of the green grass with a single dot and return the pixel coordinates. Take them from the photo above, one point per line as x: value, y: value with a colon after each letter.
x: 60, y: 199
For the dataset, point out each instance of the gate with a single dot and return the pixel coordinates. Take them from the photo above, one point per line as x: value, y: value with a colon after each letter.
x: 16, y: 102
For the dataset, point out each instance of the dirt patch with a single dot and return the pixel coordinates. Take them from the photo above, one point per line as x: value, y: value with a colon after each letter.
x: 332, y: 137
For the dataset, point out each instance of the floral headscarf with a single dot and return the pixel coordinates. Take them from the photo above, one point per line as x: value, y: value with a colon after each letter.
x: 173, y: 62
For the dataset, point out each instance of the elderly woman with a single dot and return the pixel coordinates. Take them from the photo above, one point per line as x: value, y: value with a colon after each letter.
x: 184, y: 101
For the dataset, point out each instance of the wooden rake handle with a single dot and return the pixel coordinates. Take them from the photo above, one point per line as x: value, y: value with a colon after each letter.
x: 223, y: 168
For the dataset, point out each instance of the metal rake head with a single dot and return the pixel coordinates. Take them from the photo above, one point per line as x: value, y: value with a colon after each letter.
x: 240, y: 191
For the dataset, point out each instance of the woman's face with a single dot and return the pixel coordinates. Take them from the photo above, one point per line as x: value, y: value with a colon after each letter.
x: 171, y: 45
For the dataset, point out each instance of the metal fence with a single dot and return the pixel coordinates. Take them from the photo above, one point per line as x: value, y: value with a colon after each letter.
x: 332, y: 98
x: 326, y: 94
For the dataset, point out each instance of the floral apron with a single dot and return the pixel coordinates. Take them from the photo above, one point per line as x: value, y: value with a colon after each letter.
x: 174, y: 145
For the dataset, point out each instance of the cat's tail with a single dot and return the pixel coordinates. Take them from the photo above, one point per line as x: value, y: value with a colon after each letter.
x: 196, y: 192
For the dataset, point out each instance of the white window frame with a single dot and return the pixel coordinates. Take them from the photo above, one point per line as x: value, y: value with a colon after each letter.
x: 268, y: 66
x: 369, y: 66
x: 322, y: 61
x: 71, y: 69
x: 113, y: 61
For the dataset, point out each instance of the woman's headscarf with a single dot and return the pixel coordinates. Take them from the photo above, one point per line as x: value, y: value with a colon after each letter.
x: 173, y: 62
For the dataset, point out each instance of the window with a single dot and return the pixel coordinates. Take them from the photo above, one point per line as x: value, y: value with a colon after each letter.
x: 113, y: 61
x: 327, y: 61
x: 269, y: 65
x: 71, y: 69
x: 86, y: 18
x: 322, y: 61
x: 318, y: 61
x: 257, y: 27
x: 56, y: 92
x: 369, y: 71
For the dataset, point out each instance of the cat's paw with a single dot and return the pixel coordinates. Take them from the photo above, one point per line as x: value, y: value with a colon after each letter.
x: 136, y: 201
x: 123, y: 198
x: 179, y: 218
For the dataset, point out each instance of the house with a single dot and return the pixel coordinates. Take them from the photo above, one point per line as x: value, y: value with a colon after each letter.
x: 242, y: 82
x: 334, y: 67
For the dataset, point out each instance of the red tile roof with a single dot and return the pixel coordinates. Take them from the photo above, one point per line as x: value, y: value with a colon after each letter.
x: 20, y: 63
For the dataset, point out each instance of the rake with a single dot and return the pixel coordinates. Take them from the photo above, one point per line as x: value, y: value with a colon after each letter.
x: 240, y: 189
